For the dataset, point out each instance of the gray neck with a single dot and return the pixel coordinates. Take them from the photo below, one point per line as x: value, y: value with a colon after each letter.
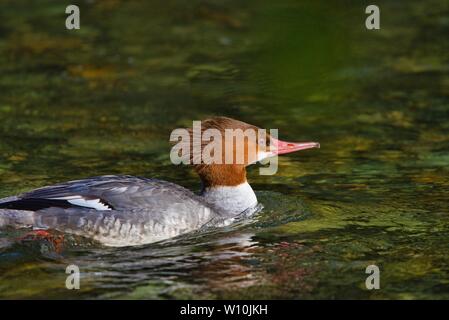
x: 231, y: 199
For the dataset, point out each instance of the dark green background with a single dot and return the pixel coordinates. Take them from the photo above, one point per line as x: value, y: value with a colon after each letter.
x: 104, y: 99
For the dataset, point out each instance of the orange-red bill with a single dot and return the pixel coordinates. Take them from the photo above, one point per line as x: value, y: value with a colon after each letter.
x: 283, y: 147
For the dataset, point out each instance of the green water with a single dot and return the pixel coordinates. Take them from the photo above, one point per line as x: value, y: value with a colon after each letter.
x: 103, y: 100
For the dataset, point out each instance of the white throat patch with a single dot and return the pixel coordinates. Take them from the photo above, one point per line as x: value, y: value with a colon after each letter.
x: 232, y: 199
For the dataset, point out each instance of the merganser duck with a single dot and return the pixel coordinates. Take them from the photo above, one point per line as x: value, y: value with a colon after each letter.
x: 127, y: 210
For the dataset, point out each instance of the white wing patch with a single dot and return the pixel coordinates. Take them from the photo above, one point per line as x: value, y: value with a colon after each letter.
x: 88, y: 203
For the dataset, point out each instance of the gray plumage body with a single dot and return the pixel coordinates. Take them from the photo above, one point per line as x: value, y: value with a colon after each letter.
x: 130, y: 210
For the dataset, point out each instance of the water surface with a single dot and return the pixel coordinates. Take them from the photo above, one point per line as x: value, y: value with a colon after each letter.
x: 103, y: 100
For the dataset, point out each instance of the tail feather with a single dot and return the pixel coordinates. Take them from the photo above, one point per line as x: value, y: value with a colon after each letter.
x: 8, y: 199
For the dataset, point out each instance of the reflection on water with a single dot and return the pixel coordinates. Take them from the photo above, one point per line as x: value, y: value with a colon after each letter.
x: 103, y: 100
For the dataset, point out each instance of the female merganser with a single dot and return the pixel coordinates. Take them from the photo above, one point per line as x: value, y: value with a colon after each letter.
x: 128, y: 210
